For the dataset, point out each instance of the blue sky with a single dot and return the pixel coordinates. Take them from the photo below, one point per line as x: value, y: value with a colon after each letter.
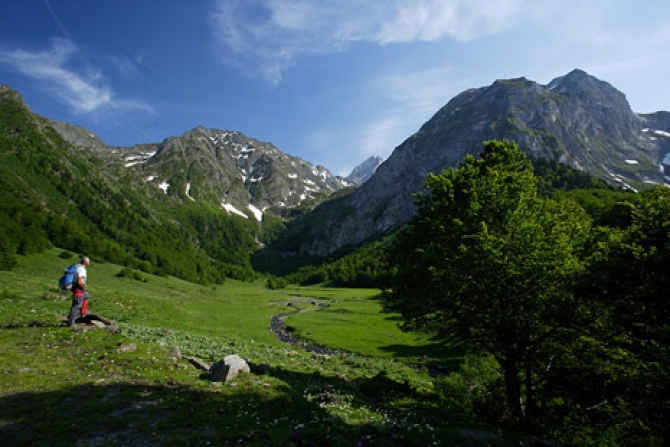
x: 330, y: 81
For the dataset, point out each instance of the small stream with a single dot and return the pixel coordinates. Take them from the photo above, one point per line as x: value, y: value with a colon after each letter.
x: 277, y: 327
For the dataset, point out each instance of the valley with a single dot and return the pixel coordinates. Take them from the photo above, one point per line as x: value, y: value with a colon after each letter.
x: 130, y: 388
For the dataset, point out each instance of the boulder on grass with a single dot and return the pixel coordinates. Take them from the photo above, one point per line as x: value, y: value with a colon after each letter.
x: 228, y: 368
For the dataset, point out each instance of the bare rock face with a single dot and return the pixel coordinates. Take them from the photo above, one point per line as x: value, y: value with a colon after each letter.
x: 228, y: 368
x: 576, y: 119
x: 363, y: 172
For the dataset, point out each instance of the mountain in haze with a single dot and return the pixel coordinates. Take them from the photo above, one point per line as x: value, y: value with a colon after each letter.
x: 576, y: 119
x: 362, y: 173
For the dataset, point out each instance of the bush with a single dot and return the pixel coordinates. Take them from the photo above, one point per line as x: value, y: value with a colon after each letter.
x: 7, y: 254
x: 276, y: 283
x: 127, y: 272
x: 470, y: 392
x: 65, y: 255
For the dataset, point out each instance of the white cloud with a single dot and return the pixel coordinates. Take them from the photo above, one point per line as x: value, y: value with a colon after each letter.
x: 411, y: 98
x: 461, y: 20
x: 382, y: 135
x: 83, y: 93
x: 265, y: 37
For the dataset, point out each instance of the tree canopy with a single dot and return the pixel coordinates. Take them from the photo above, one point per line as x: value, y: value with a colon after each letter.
x: 487, y: 254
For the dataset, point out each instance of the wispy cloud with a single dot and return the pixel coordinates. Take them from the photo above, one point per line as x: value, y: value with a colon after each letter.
x: 381, y: 136
x: 461, y: 20
x: 265, y: 37
x: 83, y: 91
x: 410, y: 98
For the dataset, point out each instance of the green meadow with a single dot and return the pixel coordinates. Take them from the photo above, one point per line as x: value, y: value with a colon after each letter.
x: 92, y: 386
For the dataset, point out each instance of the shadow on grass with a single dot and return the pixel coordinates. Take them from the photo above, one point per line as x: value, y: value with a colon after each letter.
x: 251, y: 412
x: 445, y: 349
x: 151, y: 415
x: 449, y: 356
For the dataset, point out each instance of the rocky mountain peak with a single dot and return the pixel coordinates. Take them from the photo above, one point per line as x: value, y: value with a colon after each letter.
x: 244, y: 176
x: 578, y: 81
x: 7, y: 94
x: 576, y: 119
x: 362, y: 173
x: 589, y: 89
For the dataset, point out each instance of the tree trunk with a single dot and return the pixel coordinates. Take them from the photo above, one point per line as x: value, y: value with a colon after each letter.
x: 513, y: 391
x: 530, y: 397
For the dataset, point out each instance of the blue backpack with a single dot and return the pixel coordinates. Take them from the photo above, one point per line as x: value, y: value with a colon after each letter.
x: 69, y: 278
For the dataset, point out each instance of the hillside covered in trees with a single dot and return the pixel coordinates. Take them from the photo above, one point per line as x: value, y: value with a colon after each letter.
x: 54, y: 194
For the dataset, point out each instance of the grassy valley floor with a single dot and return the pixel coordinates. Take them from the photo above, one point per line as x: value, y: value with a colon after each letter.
x: 95, y: 387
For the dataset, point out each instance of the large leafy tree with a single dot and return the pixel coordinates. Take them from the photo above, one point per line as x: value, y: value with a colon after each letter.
x: 487, y: 254
x: 630, y: 280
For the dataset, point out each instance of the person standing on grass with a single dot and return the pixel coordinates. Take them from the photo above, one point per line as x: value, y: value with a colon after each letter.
x: 79, y: 293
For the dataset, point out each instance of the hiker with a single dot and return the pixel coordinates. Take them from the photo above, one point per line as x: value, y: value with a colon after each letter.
x: 79, y: 293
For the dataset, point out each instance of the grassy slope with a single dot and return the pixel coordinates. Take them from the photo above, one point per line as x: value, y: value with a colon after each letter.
x: 64, y: 387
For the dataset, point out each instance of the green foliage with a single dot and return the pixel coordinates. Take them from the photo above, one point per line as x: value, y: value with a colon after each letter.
x: 65, y: 255
x: 271, y: 229
x: 469, y: 394
x: 52, y: 194
x: 628, y: 281
x: 131, y: 274
x: 606, y: 205
x: 276, y: 283
x: 611, y: 208
x: 7, y: 254
x: 367, y: 267
x: 486, y: 252
x: 573, y: 312
x: 22, y: 226
x: 553, y: 176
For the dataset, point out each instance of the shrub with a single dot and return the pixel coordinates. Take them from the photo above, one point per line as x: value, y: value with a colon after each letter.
x: 65, y: 255
x: 127, y: 272
x: 276, y: 283
x: 467, y: 392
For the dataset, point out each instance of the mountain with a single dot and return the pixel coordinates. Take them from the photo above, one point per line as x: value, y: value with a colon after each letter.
x: 362, y: 173
x: 224, y: 168
x: 87, y: 199
x: 576, y: 119
x: 189, y: 191
x: 196, y: 206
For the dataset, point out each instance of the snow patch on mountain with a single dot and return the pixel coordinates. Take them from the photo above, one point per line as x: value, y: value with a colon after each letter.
x: 230, y: 209
x: 188, y: 191
x: 257, y: 213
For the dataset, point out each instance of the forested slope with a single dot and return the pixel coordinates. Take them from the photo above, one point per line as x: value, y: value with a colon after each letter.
x: 53, y: 193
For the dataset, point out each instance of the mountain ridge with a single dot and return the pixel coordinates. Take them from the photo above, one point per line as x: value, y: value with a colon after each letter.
x: 576, y: 119
x: 242, y: 175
